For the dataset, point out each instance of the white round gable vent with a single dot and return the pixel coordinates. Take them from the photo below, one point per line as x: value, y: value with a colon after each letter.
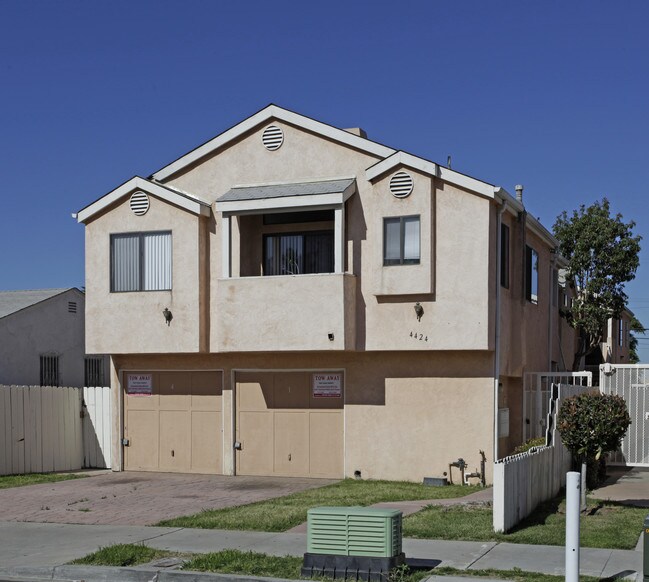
x: 272, y: 138
x: 139, y: 203
x: 401, y: 184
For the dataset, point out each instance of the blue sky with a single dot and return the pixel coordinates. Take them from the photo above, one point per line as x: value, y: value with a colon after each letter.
x: 549, y: 94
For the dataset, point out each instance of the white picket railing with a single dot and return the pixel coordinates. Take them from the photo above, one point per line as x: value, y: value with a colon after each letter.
x: 42, y: 429
x: 521, y: 482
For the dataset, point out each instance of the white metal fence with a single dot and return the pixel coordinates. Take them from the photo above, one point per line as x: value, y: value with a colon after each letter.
x: 536, y: 398
x: 42, y: 429
x: 631, y: 381
x: 523, y: 481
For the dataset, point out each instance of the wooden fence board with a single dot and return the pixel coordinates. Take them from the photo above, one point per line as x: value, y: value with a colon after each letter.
x: 41, y: 429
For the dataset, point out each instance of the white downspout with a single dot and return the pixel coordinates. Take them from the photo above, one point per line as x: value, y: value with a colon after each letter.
x: 499, y: 243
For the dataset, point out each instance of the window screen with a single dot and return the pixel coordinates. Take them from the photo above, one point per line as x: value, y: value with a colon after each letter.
x: 140, y: 261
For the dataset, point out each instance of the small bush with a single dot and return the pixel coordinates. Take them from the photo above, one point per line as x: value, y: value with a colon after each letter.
x: 592, y: 424
x: 530, y: 444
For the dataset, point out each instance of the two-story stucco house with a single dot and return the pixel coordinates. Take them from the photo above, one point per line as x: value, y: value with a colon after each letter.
x: 290, y: 298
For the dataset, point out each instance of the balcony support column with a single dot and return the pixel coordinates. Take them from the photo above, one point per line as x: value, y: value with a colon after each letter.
x: 339, y: 239
x: 226, y: 238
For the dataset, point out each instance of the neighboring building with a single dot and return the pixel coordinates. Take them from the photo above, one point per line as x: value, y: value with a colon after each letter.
x: 615, y: 347
x: 291, y: 298
x: 42, y: 337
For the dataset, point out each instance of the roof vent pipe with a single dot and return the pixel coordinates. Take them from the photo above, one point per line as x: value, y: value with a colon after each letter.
x: 519, y: 192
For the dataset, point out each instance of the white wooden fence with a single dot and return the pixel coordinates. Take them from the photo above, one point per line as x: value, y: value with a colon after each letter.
x: 521, y: 482
x: 45, y: 429
x: 96, y: 427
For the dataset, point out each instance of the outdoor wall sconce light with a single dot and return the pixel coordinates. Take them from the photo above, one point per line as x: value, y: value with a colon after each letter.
x: 330, y: 336
x: 168, y: 315
x: 419, y: 310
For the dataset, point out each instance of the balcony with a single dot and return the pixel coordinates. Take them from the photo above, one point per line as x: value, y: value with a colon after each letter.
x: 285, y: 313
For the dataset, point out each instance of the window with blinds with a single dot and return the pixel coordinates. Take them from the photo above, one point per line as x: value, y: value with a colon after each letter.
x: 299, y: 253
x: 140, y: 261
x: 401, y: 244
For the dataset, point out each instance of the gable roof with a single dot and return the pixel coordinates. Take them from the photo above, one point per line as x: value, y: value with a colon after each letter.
x: 391, y: 158
x: 173, y: 195
x: 266, y: 114
x: 13, y: 301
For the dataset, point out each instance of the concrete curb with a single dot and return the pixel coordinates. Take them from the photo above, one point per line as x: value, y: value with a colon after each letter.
x: 134, y: 574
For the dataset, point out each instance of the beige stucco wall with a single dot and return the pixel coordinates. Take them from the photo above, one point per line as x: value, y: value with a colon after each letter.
x: 451, y: 281
x: 526, y: 343
x: 285, y: 313
x: 405, y: 417
x: 133, y: 322
x: 44, y: 328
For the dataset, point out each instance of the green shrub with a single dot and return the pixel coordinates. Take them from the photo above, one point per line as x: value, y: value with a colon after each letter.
x: 592, y: 424
x: 529, y: 444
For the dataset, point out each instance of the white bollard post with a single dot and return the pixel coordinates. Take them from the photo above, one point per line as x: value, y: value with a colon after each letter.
x: 573, y: 487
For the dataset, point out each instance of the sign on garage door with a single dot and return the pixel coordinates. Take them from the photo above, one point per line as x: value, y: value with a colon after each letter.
x: 173, y: 421
x: 290, y: 424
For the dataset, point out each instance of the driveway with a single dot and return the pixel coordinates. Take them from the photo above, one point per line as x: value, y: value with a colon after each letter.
x: 138, y: 498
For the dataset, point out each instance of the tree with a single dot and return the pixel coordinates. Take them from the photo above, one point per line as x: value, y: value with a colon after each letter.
x: 602, y: 254
x: 591, y: 424
x: 636, y: 327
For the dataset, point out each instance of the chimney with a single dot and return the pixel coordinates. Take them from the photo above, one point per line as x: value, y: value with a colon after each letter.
x: 357, y: 131
x: 519, y: 192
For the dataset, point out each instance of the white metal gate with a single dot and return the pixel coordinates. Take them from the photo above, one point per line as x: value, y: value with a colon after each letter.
x: 631, y: 381
x: 537, y: 393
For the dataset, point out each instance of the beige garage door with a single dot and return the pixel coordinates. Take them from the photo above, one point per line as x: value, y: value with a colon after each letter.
x: 172, y: 421
x: 288, y: 428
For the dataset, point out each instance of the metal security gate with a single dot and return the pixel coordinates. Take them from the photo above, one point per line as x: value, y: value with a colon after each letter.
x: 537, y: 393
x: 631, y: 381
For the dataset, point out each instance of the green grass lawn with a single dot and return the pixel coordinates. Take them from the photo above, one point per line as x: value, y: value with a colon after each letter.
x: 605, y: 525
x: 256, y: 564
x: 122, y: 555
x: 7, y: 481
x: 286, y: 512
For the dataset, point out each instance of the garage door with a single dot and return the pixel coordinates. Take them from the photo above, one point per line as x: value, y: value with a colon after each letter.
x: 173, y: 421
x: 289, y: 426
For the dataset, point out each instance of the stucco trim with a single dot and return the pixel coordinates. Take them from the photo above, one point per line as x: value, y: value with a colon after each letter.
x: 184, y: 201
x: 263, y: 116
x: 400, y: 158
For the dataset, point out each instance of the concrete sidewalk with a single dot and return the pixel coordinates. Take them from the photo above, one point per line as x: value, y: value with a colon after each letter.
x: 39, y: 551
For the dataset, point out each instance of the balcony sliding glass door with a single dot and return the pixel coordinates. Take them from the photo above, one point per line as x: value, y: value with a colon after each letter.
x: 297, y: 254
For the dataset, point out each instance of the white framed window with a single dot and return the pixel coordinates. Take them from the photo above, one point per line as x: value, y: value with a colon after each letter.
x: 401, y: 240
x: 140, y: 261
x: 531, y: 275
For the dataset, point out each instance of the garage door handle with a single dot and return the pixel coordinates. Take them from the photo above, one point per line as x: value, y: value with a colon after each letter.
x: 289, y: 456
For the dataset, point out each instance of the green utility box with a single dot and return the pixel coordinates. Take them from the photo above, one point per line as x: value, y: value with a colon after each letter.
x: 354, y: 531
x: 362, y: 543
x: 645, y: 550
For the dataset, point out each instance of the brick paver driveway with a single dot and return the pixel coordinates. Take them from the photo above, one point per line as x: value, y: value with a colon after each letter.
x: 135, y: 498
